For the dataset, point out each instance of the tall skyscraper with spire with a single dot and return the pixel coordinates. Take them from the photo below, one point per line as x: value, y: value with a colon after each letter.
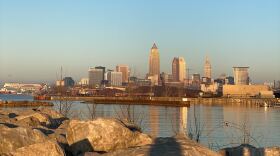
x: 179, y: 69
x: 154, y: 63
x: 207, y: 68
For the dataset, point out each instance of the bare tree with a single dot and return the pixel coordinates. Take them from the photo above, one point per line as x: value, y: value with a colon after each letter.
x: 240, y: 134
x: 196, y: 127
x: 64, y: 106
x: 130, y: 117
x: 92, y: 110
x: 64, y: 102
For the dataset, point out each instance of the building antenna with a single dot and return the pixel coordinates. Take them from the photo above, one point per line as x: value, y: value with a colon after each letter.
x: 61, y: 73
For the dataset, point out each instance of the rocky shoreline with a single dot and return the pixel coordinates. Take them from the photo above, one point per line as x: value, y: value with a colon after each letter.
x: 43, y: 132
x: 25, y: 104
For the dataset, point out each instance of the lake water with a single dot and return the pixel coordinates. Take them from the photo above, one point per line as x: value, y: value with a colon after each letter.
x: 220, y: 126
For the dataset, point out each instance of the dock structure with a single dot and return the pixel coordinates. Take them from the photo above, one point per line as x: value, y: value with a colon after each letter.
x: 234, y: 101
x: 25, y: 104
x: 174, y: 101
x: 155, y: 101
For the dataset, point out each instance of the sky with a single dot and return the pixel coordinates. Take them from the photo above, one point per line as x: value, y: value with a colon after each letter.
x: 38, y: 37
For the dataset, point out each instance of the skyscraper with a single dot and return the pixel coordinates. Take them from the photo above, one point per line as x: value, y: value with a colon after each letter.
x: 178, y: 69
x: 95, y: 77
x: 103, y: 69
x: 125, y: 72
x: 207, y: 68
x: 114, y: 78
x: 241, y: 75
x: 154, y: 63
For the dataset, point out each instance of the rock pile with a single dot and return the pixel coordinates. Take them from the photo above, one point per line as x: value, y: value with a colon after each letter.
x: 44, y: 131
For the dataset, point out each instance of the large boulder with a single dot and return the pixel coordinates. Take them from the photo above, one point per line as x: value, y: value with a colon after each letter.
x: 17, y: 137
x: 271, y: 151
x: 177, y: 146
x: 48, y: 148
x: 102, y: 135
x: 46, y: 117
x: 244, y: 150
x: 51, y: 112
x: 59, y: 136
x: 30, y: 121
x: 249, y: 150
x: 43, y: 118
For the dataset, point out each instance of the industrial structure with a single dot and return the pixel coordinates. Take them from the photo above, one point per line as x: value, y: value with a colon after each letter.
x: 241, y: 75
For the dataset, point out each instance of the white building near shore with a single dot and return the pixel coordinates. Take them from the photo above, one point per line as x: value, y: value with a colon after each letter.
x: 22, y: 87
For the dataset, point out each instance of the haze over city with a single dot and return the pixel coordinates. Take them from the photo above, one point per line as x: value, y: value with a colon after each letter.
x: 37, y: 38
x: 126, y: 78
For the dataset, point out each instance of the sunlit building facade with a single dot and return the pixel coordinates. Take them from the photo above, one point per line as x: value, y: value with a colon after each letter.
x: 114, y: 78
x: 207, y: 68
x: 95, y: 76
x: 241, y: 75
x: 124, y: 69
x: 154, y: 62
x: 178, y: 69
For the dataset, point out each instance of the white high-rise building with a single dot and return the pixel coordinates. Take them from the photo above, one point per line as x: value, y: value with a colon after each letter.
x: 114, y: 78
x: 207, y: 68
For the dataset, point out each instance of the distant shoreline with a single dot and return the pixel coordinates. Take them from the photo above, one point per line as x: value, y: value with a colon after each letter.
x: 169, y: 101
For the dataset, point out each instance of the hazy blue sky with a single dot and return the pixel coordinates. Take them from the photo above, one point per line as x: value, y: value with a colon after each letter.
x: 37, y: 37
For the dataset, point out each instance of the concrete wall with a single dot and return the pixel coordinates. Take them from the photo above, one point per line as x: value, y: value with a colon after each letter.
x: 244, y: 90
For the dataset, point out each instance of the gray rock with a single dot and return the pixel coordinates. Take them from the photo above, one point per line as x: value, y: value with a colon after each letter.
x: 52, y: 113
x: 46, y: 117
x: 28, y: 122
x: 244, y: 149
x: 14, y: 138
x: 271, y: 151
x: 102, y: 135
x: 48, y: 148
x: 249, y: 150
x: 177, y: 146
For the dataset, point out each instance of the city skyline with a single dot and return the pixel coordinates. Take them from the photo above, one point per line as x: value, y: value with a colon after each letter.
x: 37, y: 38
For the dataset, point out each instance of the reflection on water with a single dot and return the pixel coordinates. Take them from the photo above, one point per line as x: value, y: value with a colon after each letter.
x: 154, y: 121
x: 183, y: 120
x: 221, y: 126
x: 19, y: 97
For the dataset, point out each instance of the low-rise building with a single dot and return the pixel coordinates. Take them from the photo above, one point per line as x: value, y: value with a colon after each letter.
x: 247, y: 91
x: 210, y: 88
x: 153, y: 79
x: 22, y: 87
x: 83, y: 81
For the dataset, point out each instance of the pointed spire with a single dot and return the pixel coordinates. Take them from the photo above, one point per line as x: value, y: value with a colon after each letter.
x: 154, y: 46
x: 207, y: 60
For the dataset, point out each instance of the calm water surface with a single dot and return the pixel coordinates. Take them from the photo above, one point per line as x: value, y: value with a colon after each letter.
x: 220, y: 126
